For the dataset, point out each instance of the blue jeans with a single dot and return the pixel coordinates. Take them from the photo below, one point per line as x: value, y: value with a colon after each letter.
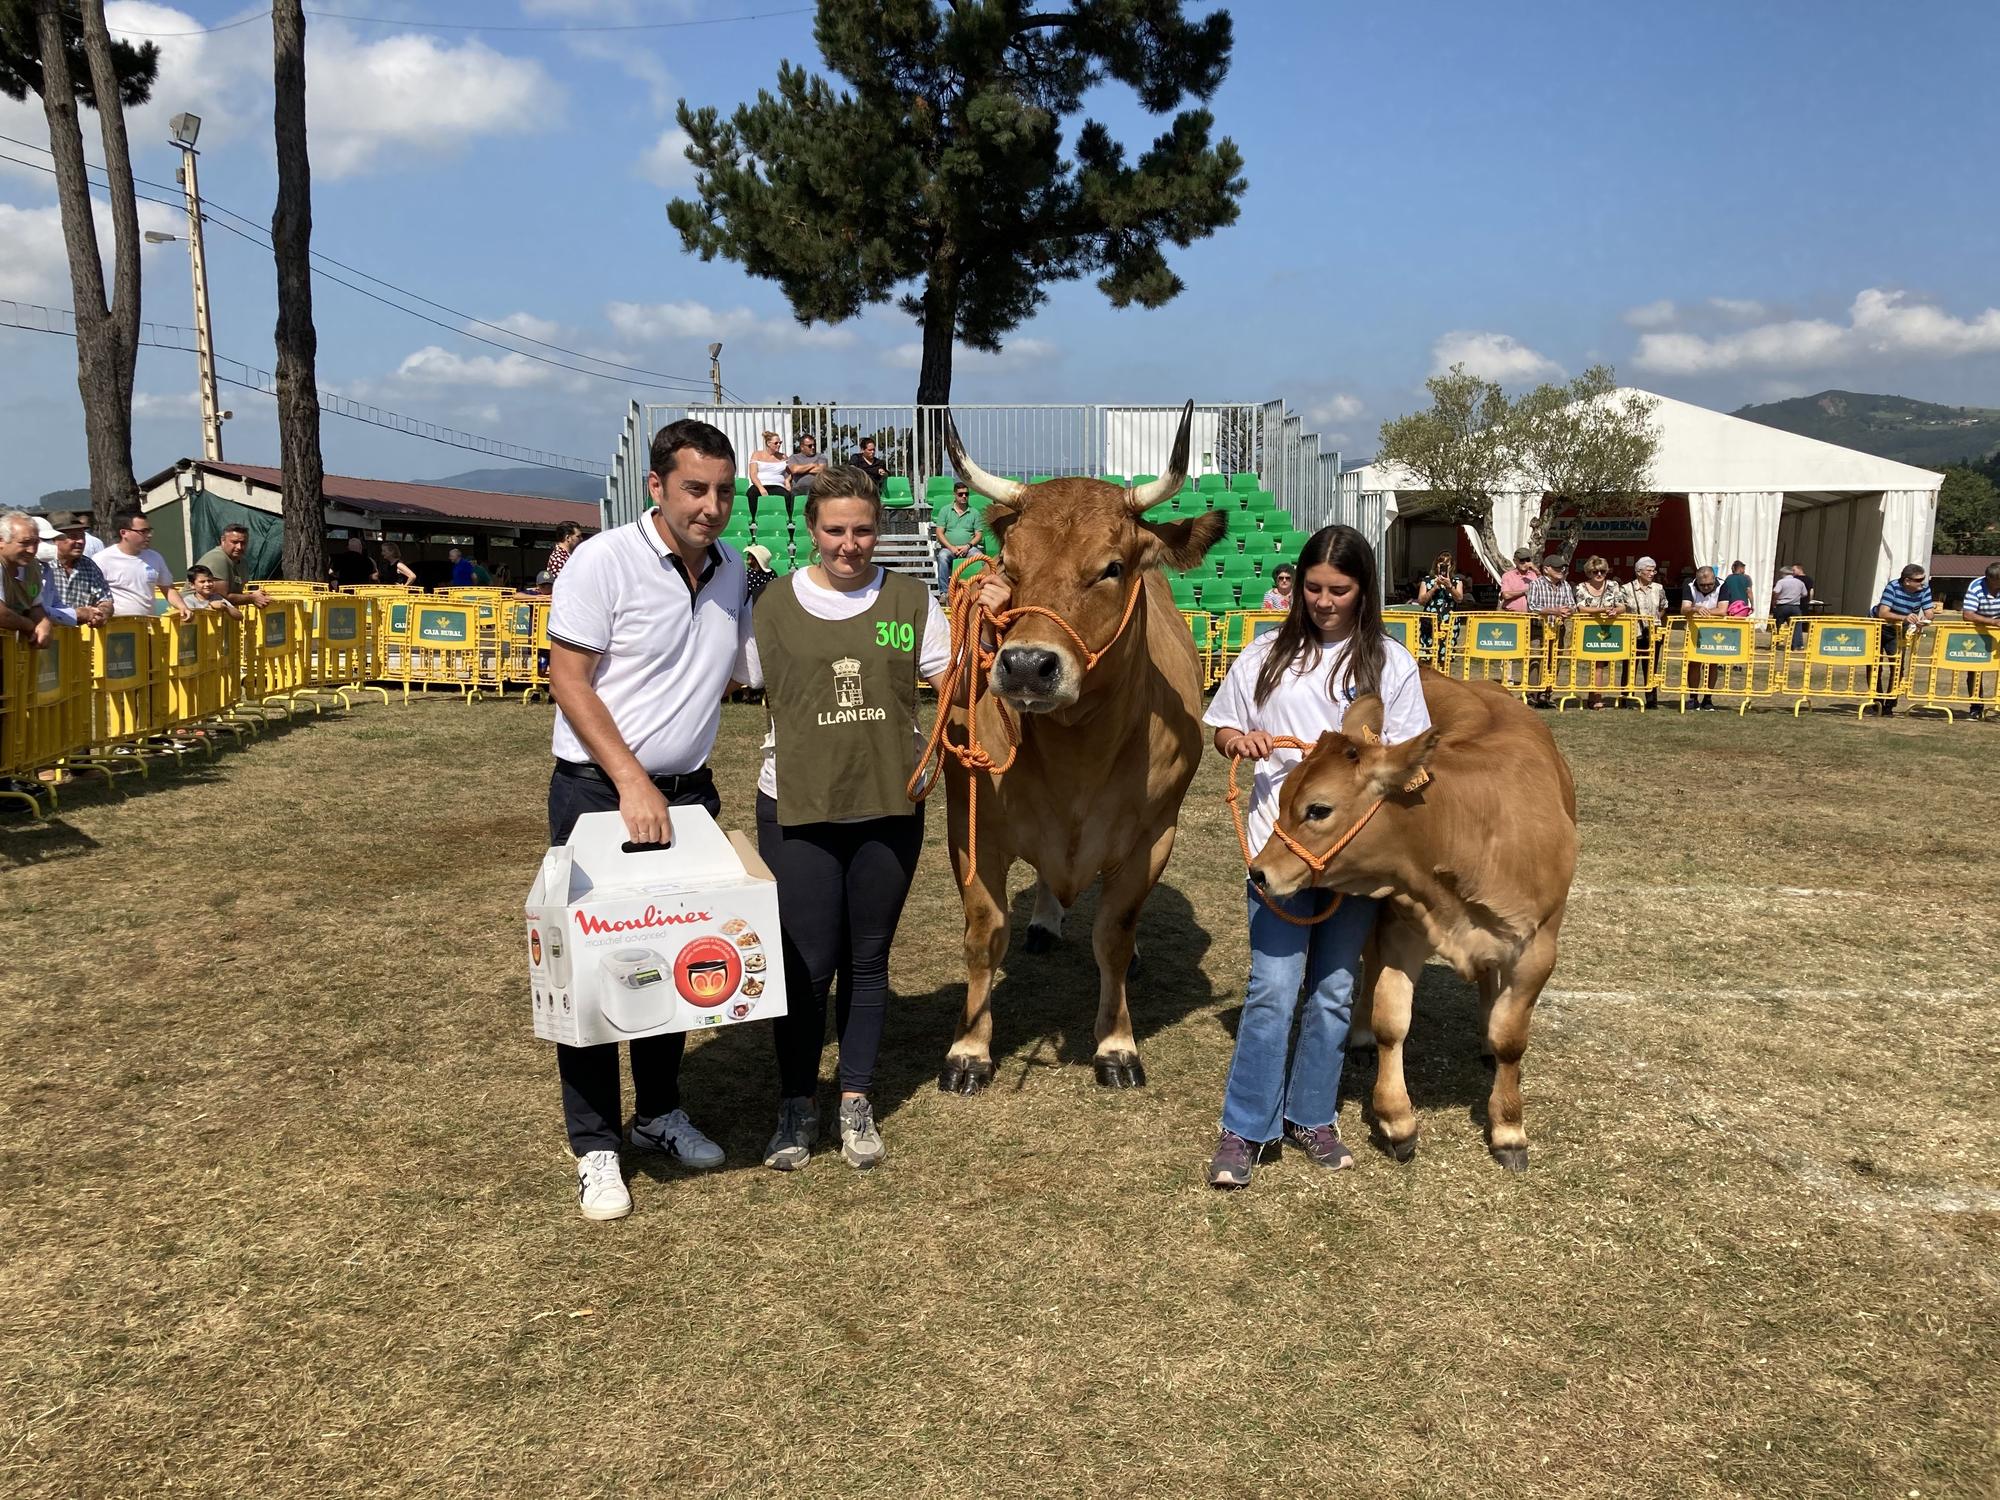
x: 1324, y: 962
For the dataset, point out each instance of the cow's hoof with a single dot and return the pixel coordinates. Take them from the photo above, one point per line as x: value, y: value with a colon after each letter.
x: 1513, y: 1158
x: 1121, y: 1070
x: 965, y: 1075
x: 1404, y: 1150
x: 1038, y: 940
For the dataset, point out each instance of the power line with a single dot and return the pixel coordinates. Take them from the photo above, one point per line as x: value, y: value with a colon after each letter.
x: 20, y: 315
x: 333, y: 15
x: 668, y: 382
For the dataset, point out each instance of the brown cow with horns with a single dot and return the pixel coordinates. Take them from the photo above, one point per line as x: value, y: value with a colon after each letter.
x: 1107, y: 748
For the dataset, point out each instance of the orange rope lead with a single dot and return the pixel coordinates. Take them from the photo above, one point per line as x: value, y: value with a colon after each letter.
x: 1317, y: 863
x: 969, y: 662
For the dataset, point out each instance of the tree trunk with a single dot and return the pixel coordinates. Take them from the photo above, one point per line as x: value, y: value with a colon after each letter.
x: 1487, y: 545
x: 106, y: 336
x: 940, y: 328
x: 304, y: 497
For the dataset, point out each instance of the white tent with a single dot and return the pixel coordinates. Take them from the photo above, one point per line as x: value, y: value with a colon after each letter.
x: 1762, y: 495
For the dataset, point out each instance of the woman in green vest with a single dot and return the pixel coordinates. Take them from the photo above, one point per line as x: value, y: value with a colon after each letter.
x: 840, y: 645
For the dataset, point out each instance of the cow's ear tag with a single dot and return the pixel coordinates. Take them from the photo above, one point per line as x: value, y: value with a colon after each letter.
x: 1417, y: 782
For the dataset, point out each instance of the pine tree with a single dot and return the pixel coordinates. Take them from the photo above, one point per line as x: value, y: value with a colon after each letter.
x: 71, y: 60
x: 939, y: 176
x: 298, y: 343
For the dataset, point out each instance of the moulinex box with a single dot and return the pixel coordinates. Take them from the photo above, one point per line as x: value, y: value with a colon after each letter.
x: 626, y: 942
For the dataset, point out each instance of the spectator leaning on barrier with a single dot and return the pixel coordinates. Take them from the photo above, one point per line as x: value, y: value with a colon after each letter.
x: 1517, y: 580
x: 649, y: 626
x: 79, y: 585
x: 1645, y: 599
x: 22, y: 578
x: 225, y: 561
x: 1981, y: 606
x: 1599, y: 596
x: 1701, y: 599
x: 1906, y: 605
x: 136, y: 572
x: 1551, y: 601
x: 205, y: 591
x: 958, y: 532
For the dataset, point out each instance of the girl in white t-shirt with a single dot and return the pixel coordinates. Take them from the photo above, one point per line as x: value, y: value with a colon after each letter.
x: 1298, y: 681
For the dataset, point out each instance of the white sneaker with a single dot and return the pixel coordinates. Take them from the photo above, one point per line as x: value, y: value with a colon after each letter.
x: 600, y: 1186
x: 675, y: 1134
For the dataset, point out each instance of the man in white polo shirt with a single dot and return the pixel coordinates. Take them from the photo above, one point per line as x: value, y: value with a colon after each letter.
x: 648, y: 626
x: 135, y: 571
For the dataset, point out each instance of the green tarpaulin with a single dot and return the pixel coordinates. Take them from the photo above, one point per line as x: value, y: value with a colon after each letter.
x: 208, y: 514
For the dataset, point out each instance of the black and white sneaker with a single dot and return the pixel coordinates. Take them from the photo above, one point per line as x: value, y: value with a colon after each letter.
x: 674, y: 1134
x: 600, y: 1186
x: 792, y: 1143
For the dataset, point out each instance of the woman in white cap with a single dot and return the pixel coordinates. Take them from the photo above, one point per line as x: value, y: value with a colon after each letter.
x: 1646, y: 601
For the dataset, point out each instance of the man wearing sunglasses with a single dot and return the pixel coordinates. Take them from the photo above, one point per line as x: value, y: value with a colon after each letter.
x: 1906, y: 605
x: 136, y: 572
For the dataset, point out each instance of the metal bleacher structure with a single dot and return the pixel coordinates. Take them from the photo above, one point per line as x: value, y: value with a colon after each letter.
x: 1254, y: 460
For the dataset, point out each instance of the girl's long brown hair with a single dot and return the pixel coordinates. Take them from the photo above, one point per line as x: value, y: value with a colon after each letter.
x: 1298, y: 645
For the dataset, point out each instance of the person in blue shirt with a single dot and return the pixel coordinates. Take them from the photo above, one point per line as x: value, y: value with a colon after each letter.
x: 1736, y: 590
x: 1981, y: 606
x: 1905, y: 605
x: 461, y: 569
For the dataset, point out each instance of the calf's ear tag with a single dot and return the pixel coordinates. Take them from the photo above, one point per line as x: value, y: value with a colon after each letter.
x: 1417, y: 782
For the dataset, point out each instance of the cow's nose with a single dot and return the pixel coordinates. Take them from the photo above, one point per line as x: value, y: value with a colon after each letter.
x: 1030, y: 664
x: 1257, y: 877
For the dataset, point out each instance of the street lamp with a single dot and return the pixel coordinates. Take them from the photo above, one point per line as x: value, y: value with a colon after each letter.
x: 715, y: 370
x: 154, y: 237
x: 185, y: 128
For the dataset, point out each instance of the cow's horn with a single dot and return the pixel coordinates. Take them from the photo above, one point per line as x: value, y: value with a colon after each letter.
x: 1143, y: 497
x: 1006, y: 490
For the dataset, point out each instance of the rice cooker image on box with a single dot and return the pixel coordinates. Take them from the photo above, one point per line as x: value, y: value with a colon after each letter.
x: 640, y: 995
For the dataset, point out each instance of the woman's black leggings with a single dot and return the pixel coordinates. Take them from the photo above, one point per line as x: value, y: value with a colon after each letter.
x: 841, y: 888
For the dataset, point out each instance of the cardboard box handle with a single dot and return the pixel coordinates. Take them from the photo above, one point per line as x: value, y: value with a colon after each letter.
x: 628, y: 847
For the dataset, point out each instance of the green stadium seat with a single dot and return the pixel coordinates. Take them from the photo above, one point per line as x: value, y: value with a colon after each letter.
x: 938, y: 487
x: 742, y: 485
x: 1208, y: 484
x: 1139, y: 479
x: 1244, y: 483
x: 896, y: 485
x: 1112, y: 478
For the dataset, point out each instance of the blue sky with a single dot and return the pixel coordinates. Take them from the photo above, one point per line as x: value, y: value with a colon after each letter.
x: 1729, y: 202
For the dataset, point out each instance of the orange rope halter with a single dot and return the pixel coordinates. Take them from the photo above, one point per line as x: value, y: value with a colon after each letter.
x: 1316, y: 863
x: 968, y: 665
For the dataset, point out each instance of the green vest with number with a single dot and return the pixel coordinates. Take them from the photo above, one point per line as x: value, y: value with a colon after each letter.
x: 842, y: 698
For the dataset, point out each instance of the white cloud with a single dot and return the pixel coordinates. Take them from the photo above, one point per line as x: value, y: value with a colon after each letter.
x: 1880, y: 324
x: 433, y: 366
x: 1492, y: 356
x: 658, y: 322
x: 1335, y: 409
x: 372, y: 103
x: 34, y: 265
x: 177, y: 404
x: 665, y: 163
x: 1651, y: 315
x: 635, y: 62
x: 527, y: 324
x: 1017, y: 354
x: 1743, y: 309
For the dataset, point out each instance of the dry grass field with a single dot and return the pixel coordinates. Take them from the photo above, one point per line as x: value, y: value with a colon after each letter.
x: 287, y: 1210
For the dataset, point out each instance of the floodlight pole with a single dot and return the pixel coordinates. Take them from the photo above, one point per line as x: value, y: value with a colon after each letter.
x: 715, y: 370
x: 204, y: 334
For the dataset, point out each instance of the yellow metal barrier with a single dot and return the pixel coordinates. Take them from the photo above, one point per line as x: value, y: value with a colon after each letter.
x: 1201, y: 626
x: 1404, y: 627
x: 1597, y: 658
x: 189, y: 678
x: 1843, y: 662
x: 277, y: 654
x: 1239, y: 628
x: 125, y: 712
x: 524, y: 646
x: 443, y: 649
x: 1504, y: 647
x: 343, y: 646
x: 1954, y: 664
x: 45, y: 712
x: 1723, y: 658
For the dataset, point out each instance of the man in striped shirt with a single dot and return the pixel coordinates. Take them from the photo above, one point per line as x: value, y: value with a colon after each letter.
x: 1906, y: 604
x: 1981, y: 606
x: 1551, y: 601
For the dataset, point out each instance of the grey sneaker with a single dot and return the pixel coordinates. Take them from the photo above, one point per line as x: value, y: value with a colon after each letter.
x: 1234, y: 1160
x: 674, y: 1134
x: 1321, y: 1143
x: 860, y: 1141
x: 798, y: 1127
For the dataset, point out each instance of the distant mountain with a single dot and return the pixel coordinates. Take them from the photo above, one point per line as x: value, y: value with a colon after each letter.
x: 551, y: 484
x: 65, y: 500
x: 1911, y: 432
